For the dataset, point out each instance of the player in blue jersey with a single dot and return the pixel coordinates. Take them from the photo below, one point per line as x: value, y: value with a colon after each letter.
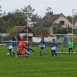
x: 53, y: 48
x: 10, y: 47
x: 28, y: 49
x: 42, y: 47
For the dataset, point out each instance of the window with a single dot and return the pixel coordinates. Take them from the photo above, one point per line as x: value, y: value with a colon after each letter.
x: 62, y: 22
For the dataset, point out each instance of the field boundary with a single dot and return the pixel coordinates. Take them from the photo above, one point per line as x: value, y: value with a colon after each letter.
x: 65, y: 52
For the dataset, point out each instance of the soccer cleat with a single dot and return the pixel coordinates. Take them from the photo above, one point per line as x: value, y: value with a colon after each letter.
x: 44, y: 54
x: 40, y: 54
x: 56, y: 56
x: 52, y: 57
x: 16, y: 56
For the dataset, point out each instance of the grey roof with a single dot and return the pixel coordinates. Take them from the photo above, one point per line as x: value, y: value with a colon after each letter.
x: 48, y: 21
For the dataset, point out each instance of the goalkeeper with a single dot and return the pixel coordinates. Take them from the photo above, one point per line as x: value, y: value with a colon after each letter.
x: 70, y: 46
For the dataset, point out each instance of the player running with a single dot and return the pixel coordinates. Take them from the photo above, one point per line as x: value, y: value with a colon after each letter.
x: 10, y: 47
x: 42, y: 47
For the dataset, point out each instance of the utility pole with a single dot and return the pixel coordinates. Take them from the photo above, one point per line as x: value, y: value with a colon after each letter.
x: 0, y: 17
x: 0, y: 12
x: 28, y: 11
x: 73, y: 20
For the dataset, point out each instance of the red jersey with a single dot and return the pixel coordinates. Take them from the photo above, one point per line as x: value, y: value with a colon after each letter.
x: 19, y: 44
x: 23, y: 43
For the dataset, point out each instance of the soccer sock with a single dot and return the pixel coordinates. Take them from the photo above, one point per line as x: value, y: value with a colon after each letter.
x: 13, y: 53
x: 10, y: 53
x: 69, y: 50
x: 44, y: 53
x: 52, y: 53
x: 40, y: 53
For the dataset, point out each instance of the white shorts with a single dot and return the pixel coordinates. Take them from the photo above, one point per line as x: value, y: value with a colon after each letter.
x: 53, y: 48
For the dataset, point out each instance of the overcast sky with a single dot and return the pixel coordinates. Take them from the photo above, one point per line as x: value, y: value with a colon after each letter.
x: 58, y: 6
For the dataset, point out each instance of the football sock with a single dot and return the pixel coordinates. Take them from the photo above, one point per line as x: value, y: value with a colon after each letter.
x: 40, y: 53
x: 13, y: 53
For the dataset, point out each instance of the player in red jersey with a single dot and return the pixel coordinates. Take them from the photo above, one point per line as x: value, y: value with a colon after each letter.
x: 21, y: 45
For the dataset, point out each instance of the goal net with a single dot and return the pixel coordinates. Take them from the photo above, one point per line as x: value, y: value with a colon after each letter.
x: 62, y: 41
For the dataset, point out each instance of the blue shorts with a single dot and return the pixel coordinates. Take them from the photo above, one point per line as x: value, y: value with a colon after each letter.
x: 11, y: 49
x: 26, y: 53
x: 53, y: 51
x: 42, y: 48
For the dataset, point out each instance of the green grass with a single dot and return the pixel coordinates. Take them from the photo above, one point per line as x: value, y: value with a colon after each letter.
x: 38, y: 66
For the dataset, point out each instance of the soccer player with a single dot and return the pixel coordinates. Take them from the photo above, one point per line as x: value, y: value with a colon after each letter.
x: 10, y: 47
x: 70, y: 45
x: 53, y: 48
x: 28, y: 49
x: 42, y: 47
x: 21, y: 45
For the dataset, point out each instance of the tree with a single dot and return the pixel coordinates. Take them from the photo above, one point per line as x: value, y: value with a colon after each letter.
x: 16, y: 18
x: 57, y: 28
x: 41, y: 31
x: 48, y: 8
x: 69, y: 18
x: 28, y: 12
x: 12, y: 31
x: 62, y: 31
x: 2, y: 26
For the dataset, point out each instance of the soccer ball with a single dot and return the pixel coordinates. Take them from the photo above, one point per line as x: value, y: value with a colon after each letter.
x: 8, y: 54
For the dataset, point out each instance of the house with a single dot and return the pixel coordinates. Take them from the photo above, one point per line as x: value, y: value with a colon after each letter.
x: 24, y: 31
x: 52, y: 20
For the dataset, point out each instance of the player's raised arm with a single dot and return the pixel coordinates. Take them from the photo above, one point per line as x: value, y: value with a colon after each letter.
x: 15, y: 37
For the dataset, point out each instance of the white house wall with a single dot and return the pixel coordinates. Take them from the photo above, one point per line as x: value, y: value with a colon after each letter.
x: 23, y: 34
x: 61, y: 18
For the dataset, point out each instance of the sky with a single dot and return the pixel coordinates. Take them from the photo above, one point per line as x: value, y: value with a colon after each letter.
x: 40, y: 6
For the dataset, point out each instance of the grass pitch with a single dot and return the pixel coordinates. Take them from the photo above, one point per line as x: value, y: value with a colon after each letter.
x: 38, y: 66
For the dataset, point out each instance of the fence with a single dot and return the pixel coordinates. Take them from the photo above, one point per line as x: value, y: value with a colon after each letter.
x: 61, y: 39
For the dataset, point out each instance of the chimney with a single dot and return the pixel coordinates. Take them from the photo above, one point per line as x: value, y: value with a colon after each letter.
x: 50, y: 14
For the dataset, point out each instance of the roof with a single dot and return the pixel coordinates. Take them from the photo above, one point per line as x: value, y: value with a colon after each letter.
x: 48, y: 19
x: 52, y: 18
x: 22, y: 28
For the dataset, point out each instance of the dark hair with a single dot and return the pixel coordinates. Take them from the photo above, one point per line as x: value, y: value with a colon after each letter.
x: 53, y: 40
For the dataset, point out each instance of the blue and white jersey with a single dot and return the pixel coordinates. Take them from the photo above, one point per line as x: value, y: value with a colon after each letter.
x: 53, y: 45
x: 10, y: 45
x: 42, y: 43
x: 28, y: 50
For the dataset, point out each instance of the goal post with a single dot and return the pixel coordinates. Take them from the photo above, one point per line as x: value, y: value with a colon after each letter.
x: 62, y: 40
